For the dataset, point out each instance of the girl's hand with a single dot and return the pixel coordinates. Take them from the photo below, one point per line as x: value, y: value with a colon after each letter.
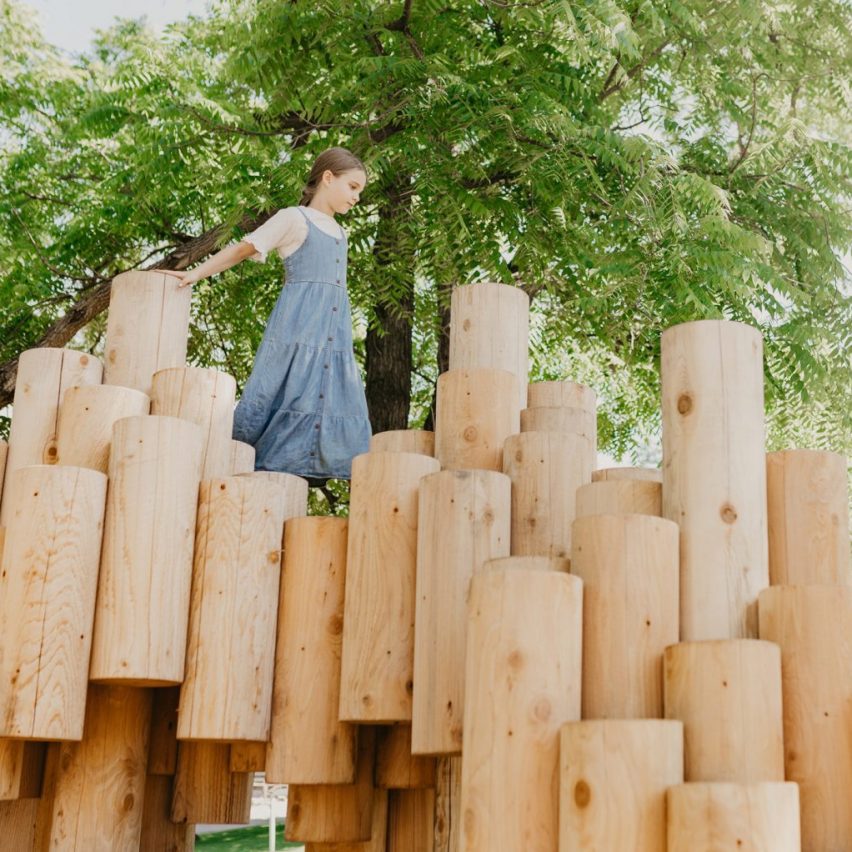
x: 187, y: 277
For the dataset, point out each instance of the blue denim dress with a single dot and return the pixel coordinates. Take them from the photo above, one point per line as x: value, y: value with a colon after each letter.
x: 303, y: 408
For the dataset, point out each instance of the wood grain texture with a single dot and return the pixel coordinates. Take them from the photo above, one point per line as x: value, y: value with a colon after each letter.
x: 411, y: 820
x: 628, y: 474
x: 620, y: 497
x: 396, y: 767
x: 292, y: 491
x: 378, y: 833
x: 159, y: 833
x: 404, y: 441
x: 537, y: 563
x: 561, y: 394
x: 248, y: 757
x: 579, y: 422
x: 162, y: 751
x: 242, y: 458
x: 21, y: 769
x: 447, y: 835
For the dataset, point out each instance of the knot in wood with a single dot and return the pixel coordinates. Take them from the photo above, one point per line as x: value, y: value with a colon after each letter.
x: 470, y: 434
x: 582, y: 794
x: 728, y: 513
x: 684, y: 403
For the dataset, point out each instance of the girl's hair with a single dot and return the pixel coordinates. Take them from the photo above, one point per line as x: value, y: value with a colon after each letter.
x: 335, y: 160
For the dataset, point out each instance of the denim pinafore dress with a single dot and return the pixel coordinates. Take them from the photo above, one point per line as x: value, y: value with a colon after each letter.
x: 303, y: 407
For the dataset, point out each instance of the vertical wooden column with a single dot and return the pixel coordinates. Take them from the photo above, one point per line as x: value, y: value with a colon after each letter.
x: 101, y: 783
x: 378, y: 831
x: 613, y: 781
x: 490, y: 328
x: 47, y: 600
x: 813, y: 626
x: 205, y: 397
x: 411, y: 820
x: 620, y: 497
x: 464, y: 522
x: 808, y: 518
x: 227, y: 690
x: 448, y: 805
x: 475, y: 411
x: 159, y: 833
x: 147, y: 328
x: 538, y: 563
x: 404, y: 441
x: 728, y: 696
x: 162, y: 751
x: 546, y: 469
x: 292, y: 491
x: 561, y: 394
x: 378, y: 623
x: 142, y: 609
x: 714, y: 473
x: 629, y: 568
x: 21, y: 769
x: 523, y: 673
x: 565, y: 407
x: 396, y: 767
x: 308, y: 745
x: 242, y: 458
x: 627, y: 474
x: 752, y: 817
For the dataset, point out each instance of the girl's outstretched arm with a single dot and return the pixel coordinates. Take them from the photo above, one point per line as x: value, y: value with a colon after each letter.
x: 219, y: 262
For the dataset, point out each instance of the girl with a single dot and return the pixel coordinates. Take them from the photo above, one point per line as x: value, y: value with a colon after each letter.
x: 303, y: 407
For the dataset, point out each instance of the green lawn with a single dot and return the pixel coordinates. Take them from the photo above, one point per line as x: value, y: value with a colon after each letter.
x: 252, y: 839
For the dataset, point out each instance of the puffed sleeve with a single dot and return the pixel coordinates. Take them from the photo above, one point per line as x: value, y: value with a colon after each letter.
x: 273, y: 234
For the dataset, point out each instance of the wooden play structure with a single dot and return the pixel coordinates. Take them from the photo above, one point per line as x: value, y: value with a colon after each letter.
x: 501, y: 649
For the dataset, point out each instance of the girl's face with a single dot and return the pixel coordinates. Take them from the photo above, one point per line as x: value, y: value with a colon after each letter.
x: 343, y: 191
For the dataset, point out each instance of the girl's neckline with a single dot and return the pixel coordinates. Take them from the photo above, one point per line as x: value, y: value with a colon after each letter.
x: 342, y: 232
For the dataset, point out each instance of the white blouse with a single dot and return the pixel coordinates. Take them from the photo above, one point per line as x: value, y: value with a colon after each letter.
x: 286, y: 230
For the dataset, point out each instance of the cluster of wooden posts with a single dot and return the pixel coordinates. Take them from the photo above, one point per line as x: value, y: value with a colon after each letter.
x: 500, y: 649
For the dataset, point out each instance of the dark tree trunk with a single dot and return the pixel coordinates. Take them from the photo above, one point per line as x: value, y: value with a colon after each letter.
x: 444, y: 297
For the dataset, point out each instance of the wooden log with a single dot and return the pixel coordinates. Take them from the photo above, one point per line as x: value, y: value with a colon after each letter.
x: 546, y: 469
x: 490, y: 328
x: 378, y: 832
x: 378, y: 622
x: 629, y: 474
x: 292, y: 491
x: 749, y: 817
x: 464, y: 522
x: 613, y: 779
x: 396, y: 767
x: 147, y: 328
x: 21, y: 769
x: 714, y: 473
x: 404, y: 441
x: 727, y: 693
x: 47, y: 600
x: 162, y: 751
x: 523, y: 671
x: 561, y: 394
x: 242, y: 458
x: 248, y: 757
x: 44, y: 375
x: 142, y: 609
x: 813, y: 627
x: 620, y: 497
x: 808, y: 518
x: 100, y: 788
x: 475, y: 413
x: 537, y: 563
x: 307, y: 742
x: 205, y: 397
x: 86, y: 418
x: 448, y: 805
x: 411, y: 820
x: 159, y: 833
x: 334, y: 813
x: 578, y: 422
x: 227, y: 689
x: 205, y: 790
x: 18, y: 824
x: 629, y: 568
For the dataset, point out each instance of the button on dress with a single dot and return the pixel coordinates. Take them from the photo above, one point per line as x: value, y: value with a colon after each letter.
x: 303, y: 407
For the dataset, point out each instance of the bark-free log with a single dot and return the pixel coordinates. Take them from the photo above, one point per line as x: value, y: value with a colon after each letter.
x: 142, y: 607
x: 714, y: 473
x: 404, y: 441
x: 464, y: 522
x: 396, y: 767
x: 523, y: 678
x: 748, y: 817
x: 227, y: 688
x: 204, y: 397
x: 308, y: 745
x: 727, y: 693
x: 476, y: 410
x: 242, y: 458
x: 292, y: 491
x: 561, y: 394
x: 490, y: 328
x: 378, y: 832
x: 629, y: 568
x: 546, y: 470
x: 86, y: 418
x: 577, y: 422
x: 630, y: 474
x: 808, y: 518
x: 613, y: 781
x: 448, y: 805
x: 813, y: 626
x: 159, y: 833
x: 620, y: 497
x: 411, y: 820
x: 378, y: 623
x: 147, y: 328
x: 47, y: 600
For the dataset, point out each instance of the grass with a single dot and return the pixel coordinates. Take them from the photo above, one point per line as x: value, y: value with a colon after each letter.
x: 252, y: 839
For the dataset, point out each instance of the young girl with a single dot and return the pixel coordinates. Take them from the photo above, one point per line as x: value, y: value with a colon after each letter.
x: 303, y: 407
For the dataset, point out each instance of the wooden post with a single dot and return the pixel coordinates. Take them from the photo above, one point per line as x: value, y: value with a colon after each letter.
x: 292, y: 491
x: 727, y: 693
x: 242, y: 458
x: 561, y: 394
x: 159, y: 833
x: 490, y: 328
x: 464, y: 521
x: 629, y: 568
x: 101, y: 783
x: 475, y: 413
x: 808, y: 518
x: 546, y: 469
x: 813, y: 626
x: 613, y: 781
x: 448, y: 805
x: 523, y: 671
x: 749, y: 817
x: 714, y: 473
x: 147, y: 328
x: 396, y: 767
x: 378, y: 831
x: 86, y: 418
x: 227, y: 688
x: 411, y: 820
x: 565, y: 407
x: 47, y: 600
x: 629, y: 474
x: 404, y: 441
x: 205, y: 397
x: 620, y: 497
x: 308, y: 744
x: 142, y: 607
x: 44, y: 375
x: 378, y: 623
x: 21, y: 769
